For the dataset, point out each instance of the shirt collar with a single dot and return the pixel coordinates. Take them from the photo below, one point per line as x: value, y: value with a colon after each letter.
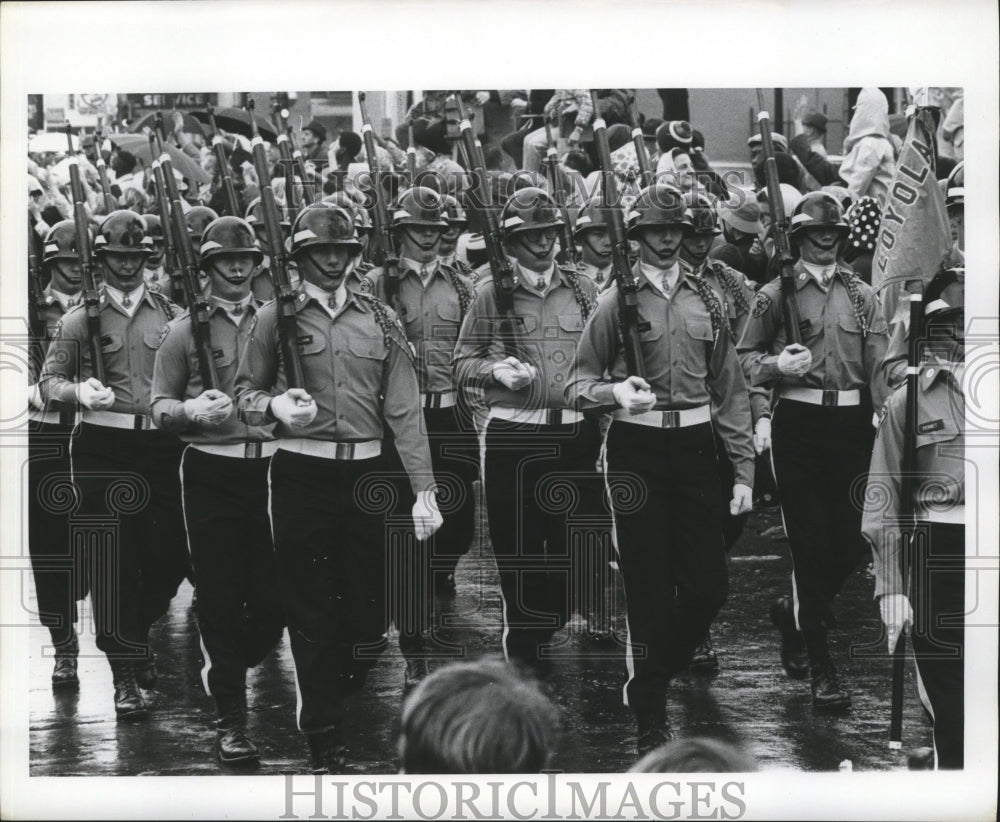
x: 323, y: 297
x: 527, y: 279
x: 655, y: 276
x: 136, y: 296
x: 931, y: 371
x: 247, y: 304
x: 414, y: 266
x: 64, y: 299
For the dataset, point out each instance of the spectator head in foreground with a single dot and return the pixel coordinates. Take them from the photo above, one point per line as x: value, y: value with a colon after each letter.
x: 698, y: 755
x: 477, y: 717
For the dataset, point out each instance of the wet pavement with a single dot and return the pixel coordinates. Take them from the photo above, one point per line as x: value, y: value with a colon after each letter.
x: 750, y: 701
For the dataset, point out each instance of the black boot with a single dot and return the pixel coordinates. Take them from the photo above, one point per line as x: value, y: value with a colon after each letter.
x: 654, y: 730
x: 794, y: 657
x: 704, y: 660
x: 327, y: 752
x: 129, y: 703
x: 827, y: 694
x: 64, y: 671
x: 232, y: 745
x: 145, y: 671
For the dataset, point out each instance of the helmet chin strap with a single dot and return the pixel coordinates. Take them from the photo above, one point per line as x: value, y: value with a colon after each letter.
x: 673, y: 256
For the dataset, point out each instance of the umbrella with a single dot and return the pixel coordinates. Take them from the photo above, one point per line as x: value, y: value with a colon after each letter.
x: 191, y: 124
x: 51, y: 141
x: 237, y: 121
x: 138, y: 144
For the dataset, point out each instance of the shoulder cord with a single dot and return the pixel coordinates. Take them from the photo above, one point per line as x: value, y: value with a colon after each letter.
x: 392, y: 333
x: 585, y: 302
x: 165, y: 304
x: 851, y: 282
x: 711, y: 300
x: 727, y: 279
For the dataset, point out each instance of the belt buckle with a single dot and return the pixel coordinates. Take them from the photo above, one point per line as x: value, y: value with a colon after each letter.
x: 429, y: 401
x: 345, y: 450
x: 671, y: 419
x: 829, y: 398
x: 138, y: 423
x: 553, y: 416
x: 251, y: 450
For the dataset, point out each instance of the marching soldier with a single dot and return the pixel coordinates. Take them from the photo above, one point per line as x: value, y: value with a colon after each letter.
x: 535, y: 442
x: 260, y: 282
x: 154, y: 274
x: 119, y: 458
x: 363, y: 225
x: 670, y: 537
x: 50, y: 428
x: 458, y: 222
x: 432, y: 299
x: 735, y: 293
x: 591, y: 233
x: 821, y: 429
x: 937, y: 607
x: 224, y: 484
x: 328, y: 539
x: 197, y: 219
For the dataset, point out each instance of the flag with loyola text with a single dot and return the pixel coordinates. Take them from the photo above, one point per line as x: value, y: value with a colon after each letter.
x: 914, y: 235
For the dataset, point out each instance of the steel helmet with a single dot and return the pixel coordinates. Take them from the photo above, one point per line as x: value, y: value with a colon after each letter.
x: 229, y: 235
x: 593, y: 215
x: 322, y: 224
x: 419, y: 205
x: 528, y: 209
x: 255, y: 214
x: 197, y: 220
x: 454, y: 212
x: 818, y: 209
x: 704, y: 219
x: 123, y: 231
x: 954, y: 193
x: 658, y: 204
x: 362, y: 219
x: 153, y: 226
x: 60, y: 242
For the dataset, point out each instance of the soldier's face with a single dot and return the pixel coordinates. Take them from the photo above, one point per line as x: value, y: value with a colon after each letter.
x: 660, y: 244
x: 820, y: 246
x: 420, y: 242
x: 325, y: 266
x: 534, y: 248
x: 737, y: 237
x: 66, y: 276
x: 154, y: 259
x: 696, y: 246
x: 230, y: 274
x: 956, y: 219
x: 449, y: 239
x: 597, y: 241
x: 123, y: 270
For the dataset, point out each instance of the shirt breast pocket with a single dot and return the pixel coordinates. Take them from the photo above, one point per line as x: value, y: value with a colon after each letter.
x: 849, y: 340
x: 315, y: 366
x: 448, y: 320
x: 699, y: 338
x: 110, y: 343
x: 363, y: 370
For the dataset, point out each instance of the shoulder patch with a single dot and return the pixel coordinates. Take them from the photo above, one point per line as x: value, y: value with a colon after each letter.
x: 761, y: 304
x: 163, y: 335
x: 366, y: 287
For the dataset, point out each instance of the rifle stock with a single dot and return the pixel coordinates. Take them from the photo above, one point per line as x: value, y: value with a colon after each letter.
x: 91, y: 296
x: 567, y: 245
x: 628, y: 297
x: 646, y: 173
x: 232, y: 202
x: 171, y: 257
x: 779, y: 228
x: 285, y: 295
x: 297, y: 160
x: 500, y: 267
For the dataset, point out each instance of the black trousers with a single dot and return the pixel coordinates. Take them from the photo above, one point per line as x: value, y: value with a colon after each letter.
x: 821, y: 457
x: 238, y: 606
x: 939, y: 638
x: 668, y: 539
x: 542, y: 499
x: 732, y: 527
x: 52, y: 497
x: 331, y: 535
x: 131, y: 528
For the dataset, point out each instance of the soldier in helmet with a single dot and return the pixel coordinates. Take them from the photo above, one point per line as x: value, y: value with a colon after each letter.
x: 671, y: 538
x: 154, y: 273
x: 363, y: 225
x: 260, y: 282
x: 736, y: 293
x: 197, y: 220
x: 329, y: 469
x: 50, y: 427
x: 432, y: 298
x: 592, y: 235
x: 825, y: 389
x: 935, y: 605
x: 224, y: 483
x: 458, y: 223
x: 535, y: 442
x: 120, y: 459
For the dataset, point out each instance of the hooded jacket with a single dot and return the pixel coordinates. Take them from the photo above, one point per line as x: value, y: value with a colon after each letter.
x: 869, y: 159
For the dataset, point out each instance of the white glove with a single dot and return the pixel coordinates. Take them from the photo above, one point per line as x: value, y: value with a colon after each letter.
x: 762, y: 435
x: 35, y: 397
x: 94, y: 396
x: 295, y: 408
x: 513, y: 373
x: 212, y: 407
x: 795, y: 360
x: 426, y: 516
x: 633, y: 395
x: 897, y: 615
x: 482, y: 97
x: 742, y: 500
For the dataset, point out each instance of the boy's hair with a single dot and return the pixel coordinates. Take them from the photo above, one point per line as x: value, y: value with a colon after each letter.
x: 477, y: 717
x: 695, y: 756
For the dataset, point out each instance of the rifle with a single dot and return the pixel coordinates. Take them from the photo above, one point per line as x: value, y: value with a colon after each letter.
x: 297, y: 160
x: 567, y: 245
x: 285, y: 295
x: 198, y: 304
x: 232, y: 203
x: 110, y: 203
x: 646, y: 173
x: 779, y: 227
x: 411, y: 156
x: 500, y: 267
x: 380, y: 214
x: 91, y: 296
x: 171, y: 257
x: 36, y: 291
x: 628, y: 296
x: 287, y: 163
